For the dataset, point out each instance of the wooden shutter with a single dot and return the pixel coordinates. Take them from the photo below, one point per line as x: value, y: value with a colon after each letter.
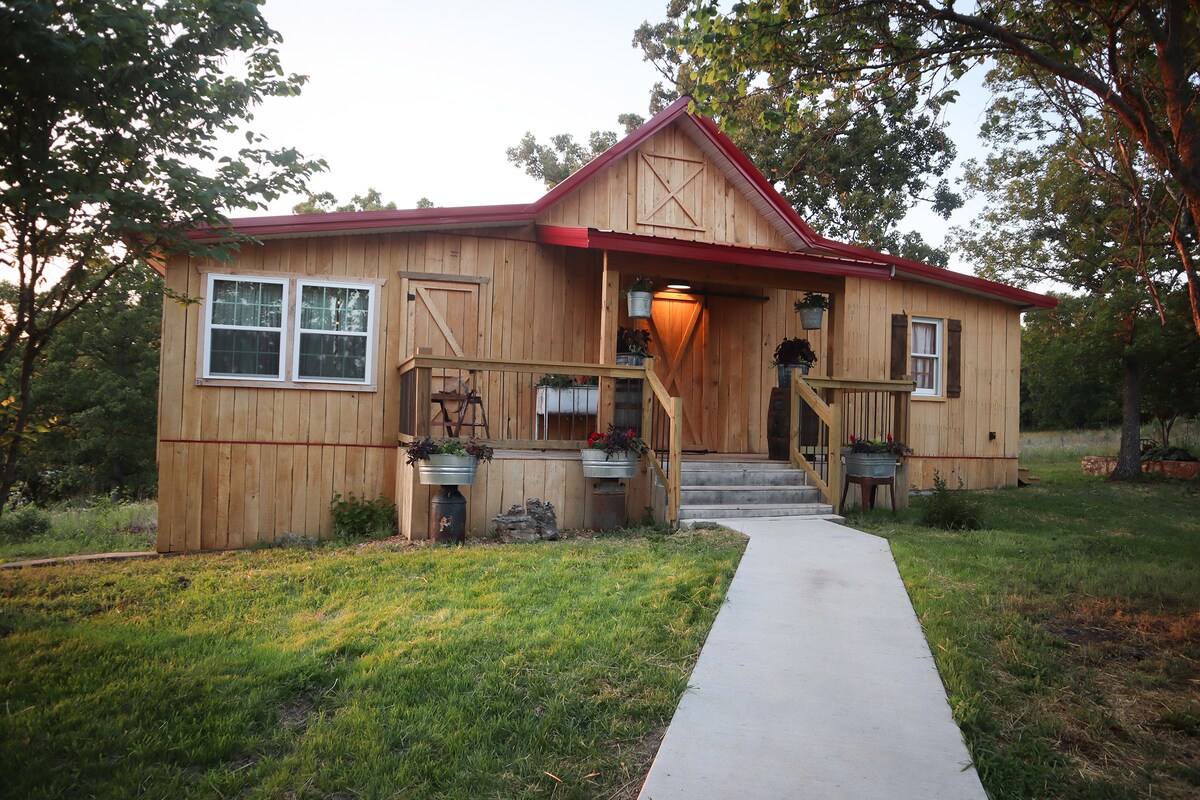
x: 954, y: 358
x: 899, y: 346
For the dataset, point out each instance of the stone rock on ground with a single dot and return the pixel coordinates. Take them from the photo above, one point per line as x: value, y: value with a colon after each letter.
x: 533, y: 522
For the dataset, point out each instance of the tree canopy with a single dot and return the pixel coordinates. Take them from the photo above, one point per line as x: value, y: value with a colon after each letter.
x: 852, y: 166
x: 553, y: 163
x: 112, y: 118
x: 325, y: 202
x: 1138, y: 61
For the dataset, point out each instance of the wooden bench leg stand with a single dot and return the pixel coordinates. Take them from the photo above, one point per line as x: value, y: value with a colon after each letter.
x: 866, y: 488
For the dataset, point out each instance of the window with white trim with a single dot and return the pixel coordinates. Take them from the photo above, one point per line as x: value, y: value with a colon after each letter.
x: 333, y: 334
x: 298, y: 330
x: 244, y: 336
x: 926, y: 356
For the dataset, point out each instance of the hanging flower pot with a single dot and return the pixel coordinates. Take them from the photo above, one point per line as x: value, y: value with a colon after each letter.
x: 811, y: 309
x: 810, y: 318
x: 640, y: 298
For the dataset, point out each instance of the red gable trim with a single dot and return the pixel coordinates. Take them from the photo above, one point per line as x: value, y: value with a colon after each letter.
x: 592, y: 239
x: 367, y: 221
x: 581, y: 176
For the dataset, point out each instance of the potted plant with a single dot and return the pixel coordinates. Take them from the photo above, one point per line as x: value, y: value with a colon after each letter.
x: 792, y: 353
x: 639, y: 297
x: 447, y: 462
x: 811, y: 309
x: 613, y: 454
x: 874, y: 458
x: 563, y: 394
x: 633, y: 345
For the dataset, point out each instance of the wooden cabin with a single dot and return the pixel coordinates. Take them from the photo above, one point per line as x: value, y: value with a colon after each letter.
x: 445, y: 321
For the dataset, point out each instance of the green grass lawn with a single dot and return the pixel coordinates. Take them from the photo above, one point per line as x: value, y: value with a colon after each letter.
x: 1067, y: 633
x: 101, y: 527
x: 486, y: 671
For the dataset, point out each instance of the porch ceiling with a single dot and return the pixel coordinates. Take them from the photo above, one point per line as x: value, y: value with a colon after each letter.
x: 593, y: 239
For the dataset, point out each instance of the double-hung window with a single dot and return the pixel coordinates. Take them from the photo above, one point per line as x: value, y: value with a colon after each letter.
x: 333, y: 332
x: 926, y: 356
x: 297, y: 331
x: 245, y: 328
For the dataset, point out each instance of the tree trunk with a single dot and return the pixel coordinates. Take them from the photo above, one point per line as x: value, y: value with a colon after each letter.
x: 1129, y: 458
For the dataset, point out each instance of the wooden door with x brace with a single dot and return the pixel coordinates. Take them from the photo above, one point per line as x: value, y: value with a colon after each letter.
x: 679, y: 336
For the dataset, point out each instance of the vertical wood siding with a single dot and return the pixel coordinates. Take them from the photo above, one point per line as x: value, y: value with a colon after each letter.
x: 950, y: 435
x: 613, y: 198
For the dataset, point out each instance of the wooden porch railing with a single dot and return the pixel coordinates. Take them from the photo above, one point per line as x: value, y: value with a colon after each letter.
x: 662, y: 417
x: 499, y: 402
x: 826, y: 412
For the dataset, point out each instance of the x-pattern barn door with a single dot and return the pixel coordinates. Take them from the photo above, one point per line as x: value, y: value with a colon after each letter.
x: 446, y: 317
x: 678, y: 334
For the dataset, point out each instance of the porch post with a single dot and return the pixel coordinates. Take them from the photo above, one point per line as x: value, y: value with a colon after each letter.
x: 836, y: 316
x: 610, y: 298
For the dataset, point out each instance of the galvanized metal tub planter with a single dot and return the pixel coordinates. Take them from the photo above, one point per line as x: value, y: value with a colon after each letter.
x: 639, y: 304
x: 810, y: 318
x: 597, y: 464
x: 447, y: 470
x: 785, y: 373
x: 871, y: 465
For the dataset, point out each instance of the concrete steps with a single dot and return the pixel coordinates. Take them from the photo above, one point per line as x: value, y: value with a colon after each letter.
x: 730, y: 489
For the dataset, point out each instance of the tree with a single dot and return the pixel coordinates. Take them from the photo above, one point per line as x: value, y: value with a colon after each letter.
x: 851, y: 167
x: 553, y: 163
x: 325, y: 202
x: 1138, y: 61
x: 1073, y: 199
x: 110, y: 118
x: 98, y: 433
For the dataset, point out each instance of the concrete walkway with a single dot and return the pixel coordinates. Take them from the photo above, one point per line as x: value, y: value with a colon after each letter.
x: 816, y: 683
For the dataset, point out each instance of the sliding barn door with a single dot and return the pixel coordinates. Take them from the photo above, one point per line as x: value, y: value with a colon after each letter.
x: 679, y: 335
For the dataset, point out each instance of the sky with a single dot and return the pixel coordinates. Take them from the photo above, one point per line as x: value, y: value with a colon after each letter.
x: 421, y: 99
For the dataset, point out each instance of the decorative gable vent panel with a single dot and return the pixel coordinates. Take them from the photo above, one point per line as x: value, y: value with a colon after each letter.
x: 670, y: 192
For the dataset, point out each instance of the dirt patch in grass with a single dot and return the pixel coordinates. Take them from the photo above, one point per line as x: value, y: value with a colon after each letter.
x: 1133, y: 705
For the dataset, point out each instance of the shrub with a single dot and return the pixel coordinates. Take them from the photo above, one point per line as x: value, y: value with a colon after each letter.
x: 362, y: 519
x: 23, y: 523
x: 949, y: 510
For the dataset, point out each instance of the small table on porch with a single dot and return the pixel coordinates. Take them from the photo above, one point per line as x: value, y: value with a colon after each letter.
x: 866, y: 488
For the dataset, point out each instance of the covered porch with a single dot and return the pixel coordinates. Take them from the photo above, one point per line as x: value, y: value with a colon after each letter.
x: 705, y: 389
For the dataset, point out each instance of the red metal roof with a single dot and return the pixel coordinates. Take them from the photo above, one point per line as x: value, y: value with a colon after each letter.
x: 822, y: 255
x: 734, y: 255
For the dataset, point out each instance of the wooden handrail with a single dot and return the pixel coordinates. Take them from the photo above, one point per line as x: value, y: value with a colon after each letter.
x: 854, y: 384
x: 829, y: 411
x: 516, y: 365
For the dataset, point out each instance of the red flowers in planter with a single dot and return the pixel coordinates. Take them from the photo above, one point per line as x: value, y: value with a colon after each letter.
x: 615, y: 440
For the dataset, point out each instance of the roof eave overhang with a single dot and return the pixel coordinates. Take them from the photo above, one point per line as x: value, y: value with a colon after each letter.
x: 592, y: 239
x: 366, y: 222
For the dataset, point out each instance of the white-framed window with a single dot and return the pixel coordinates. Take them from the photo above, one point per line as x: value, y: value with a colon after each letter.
x: 926, y: 357
x: 244, y: 330
x: 293, y: 330
x: 333, y: 332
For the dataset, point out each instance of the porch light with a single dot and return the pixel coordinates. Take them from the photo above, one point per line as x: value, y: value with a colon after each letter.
x: 679, y: 286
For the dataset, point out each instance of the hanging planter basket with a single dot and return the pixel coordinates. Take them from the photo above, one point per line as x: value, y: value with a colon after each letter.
x: 445, y: 470
x: 871, y: 465
x: 639, y: 304
x: 597, y: 464
x: 810, y: 318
